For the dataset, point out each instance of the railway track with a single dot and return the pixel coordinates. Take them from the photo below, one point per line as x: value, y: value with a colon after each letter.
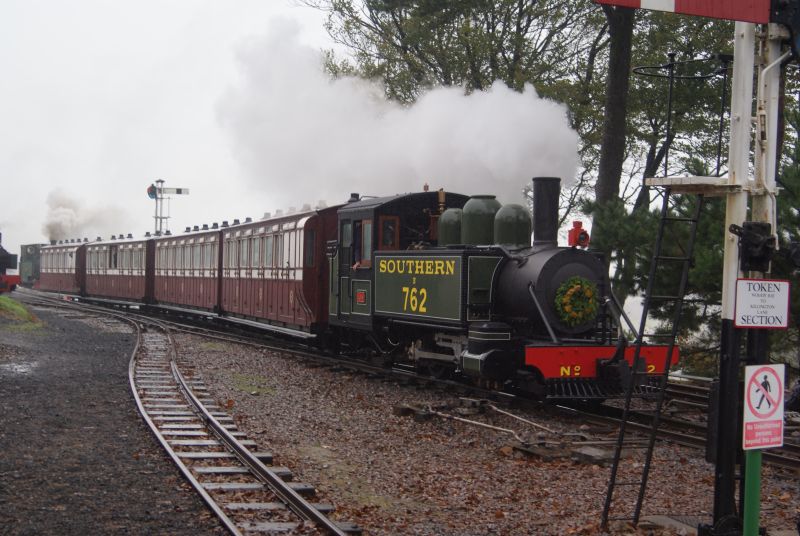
x: 237, y: 481
x: 682, y: 396
x: 691, y: 434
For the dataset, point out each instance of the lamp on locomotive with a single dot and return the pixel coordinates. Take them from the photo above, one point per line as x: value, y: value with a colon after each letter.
x: 578, y: 236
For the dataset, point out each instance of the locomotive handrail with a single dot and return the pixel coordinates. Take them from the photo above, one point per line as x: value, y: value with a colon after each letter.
x: 621, y: 313
x: 541, y: 314
x: 519, y: 258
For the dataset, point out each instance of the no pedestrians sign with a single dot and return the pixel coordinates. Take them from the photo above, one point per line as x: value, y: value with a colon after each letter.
x: 762, y: 303
x: 763, y: 406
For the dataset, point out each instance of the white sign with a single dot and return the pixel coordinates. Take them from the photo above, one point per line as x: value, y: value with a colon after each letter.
x: 762, y: 303
x: 763, y: 407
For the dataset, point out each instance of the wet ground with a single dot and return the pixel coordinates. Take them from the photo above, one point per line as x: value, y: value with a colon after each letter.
x: 75, y: 456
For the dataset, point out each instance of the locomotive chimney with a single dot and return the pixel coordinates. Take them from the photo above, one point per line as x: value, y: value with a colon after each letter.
x: 545, y: 210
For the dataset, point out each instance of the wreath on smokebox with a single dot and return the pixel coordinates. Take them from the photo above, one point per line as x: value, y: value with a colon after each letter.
x: 577, y: 301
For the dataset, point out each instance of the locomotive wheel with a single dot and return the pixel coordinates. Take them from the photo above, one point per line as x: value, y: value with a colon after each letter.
x: 440, y: 371
x: 381, y: 360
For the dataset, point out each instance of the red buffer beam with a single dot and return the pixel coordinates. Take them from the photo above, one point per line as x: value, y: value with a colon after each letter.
x: 757, y: 11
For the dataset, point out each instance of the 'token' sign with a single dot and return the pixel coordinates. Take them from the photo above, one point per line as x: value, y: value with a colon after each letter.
x: 762, y: 303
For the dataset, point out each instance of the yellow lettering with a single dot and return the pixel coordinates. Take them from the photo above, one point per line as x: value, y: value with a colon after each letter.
x: 419, y: 267
x: 428, y: 267
x: 382, y: 266
x: 651, y: 369
x: 391, y: 266
x: 401, y: 267
x: 565, y: 371
x: 577, y: 370
x: 439, y: 268
x: 451, y: 267
x: 410, y: 266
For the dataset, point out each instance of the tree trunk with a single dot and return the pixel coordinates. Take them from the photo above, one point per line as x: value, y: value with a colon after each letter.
x: 612, y: 150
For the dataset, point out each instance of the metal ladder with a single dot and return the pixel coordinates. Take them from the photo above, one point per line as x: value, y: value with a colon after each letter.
x: 670, y: 219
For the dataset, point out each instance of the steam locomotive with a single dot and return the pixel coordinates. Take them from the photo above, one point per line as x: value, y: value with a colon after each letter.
x: 438, y: 281
x: 8, y: 261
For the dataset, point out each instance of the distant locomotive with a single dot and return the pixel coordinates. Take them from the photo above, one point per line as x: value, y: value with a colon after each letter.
x: 8, y: 261
x: 29, y: 259
x: 445, y: 283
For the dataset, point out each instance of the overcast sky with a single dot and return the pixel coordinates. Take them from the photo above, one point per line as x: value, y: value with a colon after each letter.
x: 100, y: 98
x: 229, y: 99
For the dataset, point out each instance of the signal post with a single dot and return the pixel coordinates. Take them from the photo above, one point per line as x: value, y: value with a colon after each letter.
x: 159, y: 194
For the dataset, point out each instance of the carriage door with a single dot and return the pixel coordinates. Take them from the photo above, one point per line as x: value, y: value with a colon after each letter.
x: 345, y: 262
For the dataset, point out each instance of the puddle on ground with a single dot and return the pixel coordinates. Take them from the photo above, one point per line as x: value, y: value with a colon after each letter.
x: 18, y: 368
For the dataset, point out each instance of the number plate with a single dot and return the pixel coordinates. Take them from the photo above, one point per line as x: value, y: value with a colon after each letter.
x: 419, y: 286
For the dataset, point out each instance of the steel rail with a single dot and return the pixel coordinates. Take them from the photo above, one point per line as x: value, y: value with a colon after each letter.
x: 293, y: 500
x: 694, y: 441
x: 277, y: 485
x: 223, y: 517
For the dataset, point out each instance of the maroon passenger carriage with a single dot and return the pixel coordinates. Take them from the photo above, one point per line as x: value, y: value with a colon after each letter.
x: 187, y: 269
x: 120, y: 268
x: 274, y: 270
x: 63, y: 267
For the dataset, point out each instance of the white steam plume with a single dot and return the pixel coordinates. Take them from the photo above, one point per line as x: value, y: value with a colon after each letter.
x: 68, y: 219
x: 303, y: 137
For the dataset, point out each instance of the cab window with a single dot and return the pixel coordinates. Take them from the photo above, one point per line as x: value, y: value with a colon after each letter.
x: 389, y: 232
x: 362, y: 244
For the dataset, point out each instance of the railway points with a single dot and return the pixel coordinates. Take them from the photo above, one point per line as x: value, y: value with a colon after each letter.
x: 591, y: 436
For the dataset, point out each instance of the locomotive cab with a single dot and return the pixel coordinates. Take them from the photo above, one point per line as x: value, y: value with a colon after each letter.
x: 371, y: 226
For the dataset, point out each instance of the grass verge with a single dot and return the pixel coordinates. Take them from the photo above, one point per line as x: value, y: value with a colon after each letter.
x: 17, y: 313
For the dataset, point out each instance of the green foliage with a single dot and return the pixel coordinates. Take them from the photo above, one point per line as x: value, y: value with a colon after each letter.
x: 695, y: 102
x: 412, y: 45
x: 626, y: 239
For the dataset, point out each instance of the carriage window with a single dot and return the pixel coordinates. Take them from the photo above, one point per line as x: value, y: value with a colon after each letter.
x: 256, y: 247
x: 243, y: 257
x: 230, y: 254
x: 207, y: 256
x: 308, y: 247
x: 112, y: 257
x: 196, y: 256
x: 137, y: 258
x: 268, y: 251
x: 278, y: 250
x: 389, y: 232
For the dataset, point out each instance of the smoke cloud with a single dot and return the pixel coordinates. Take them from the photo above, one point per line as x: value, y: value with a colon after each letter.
x: 302, y: 137
x: 67, y: 219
